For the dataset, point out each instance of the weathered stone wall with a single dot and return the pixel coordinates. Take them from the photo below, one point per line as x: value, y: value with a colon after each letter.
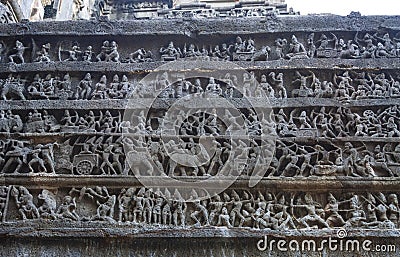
x: 332, y: 164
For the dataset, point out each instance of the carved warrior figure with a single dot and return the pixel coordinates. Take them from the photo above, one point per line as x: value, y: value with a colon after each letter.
x: 108, y: 52
x: 43, y: 55
x: 141, y: 55
x: 24, y: 201
x: 67, y: 208
x: 18, y: 55
x: 241, y: 209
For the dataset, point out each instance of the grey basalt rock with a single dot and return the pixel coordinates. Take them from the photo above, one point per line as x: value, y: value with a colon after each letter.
x: 75, y: 172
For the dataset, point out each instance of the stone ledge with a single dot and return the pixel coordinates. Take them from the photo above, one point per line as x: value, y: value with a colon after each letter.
x: 211, y: 26
x: 143, y: 68
x: 291, y: 184
x: 144, y: 103
x: 55, y: 229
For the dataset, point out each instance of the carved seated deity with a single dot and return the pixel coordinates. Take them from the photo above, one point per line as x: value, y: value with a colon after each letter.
x: 170, y: 53
x: 296, y: 50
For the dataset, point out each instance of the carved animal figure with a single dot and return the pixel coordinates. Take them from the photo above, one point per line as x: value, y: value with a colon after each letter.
x: 262, y: 54
x: 13, y: 87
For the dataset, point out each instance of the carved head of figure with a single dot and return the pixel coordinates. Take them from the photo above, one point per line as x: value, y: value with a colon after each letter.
x: 116, y: 78
x: 88, y: 76
x: 282, y: 200
x: 263, y: 78
x: 381, y: 197
x: 67, y: 199
x: 67, y: 77
x: 348, y: 146
x: 177, y: 195
x: 354, y: 202
x: 308, y: 198
x: 103, y: 79
x: 371, y: 198
x: 392, y: 199
x: 331, y: 199
x: 23, y: 190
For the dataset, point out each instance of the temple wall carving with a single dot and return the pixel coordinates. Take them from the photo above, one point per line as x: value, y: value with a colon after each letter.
x: 87, y: 131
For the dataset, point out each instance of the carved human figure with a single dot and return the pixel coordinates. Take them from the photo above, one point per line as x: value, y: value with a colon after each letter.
x: 103, y: 55
x: 19, y: 50
x: 67, y: 209
x: 393, y: 210
x: 87, y: 54
x: 356, y: 214
x: 200, y: 214
x: 84, y: 88
x: 112, y: 55
x: 43, y: 55
x: 125, y: 204
x: 105, y: 204
x: 296, y: 49
x: 333, y: 218
x: 312, y: 217
x: 24, y: 201
x: 100, y: 90
x: 36, y: 160
x: 47, y: 152
x: 170, y: 53
x: 279, y: 46
x: 16, y: 156
x: 148, y: 205
x: 277, y: 80
x: 224, y: 218
x: 216, y: 206
x: 48, y: 208
x: 178, y: 209
x: 213, y: 89
x: 158, y: 206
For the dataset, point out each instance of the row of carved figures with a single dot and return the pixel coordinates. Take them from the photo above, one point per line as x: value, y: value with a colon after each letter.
x: 367, y: 46
x: 344, y: 86
x: 54, y: 87
x: 179, y: 12
x: 327, y: 122
x: 232, y: 208
x: 187, y: 156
